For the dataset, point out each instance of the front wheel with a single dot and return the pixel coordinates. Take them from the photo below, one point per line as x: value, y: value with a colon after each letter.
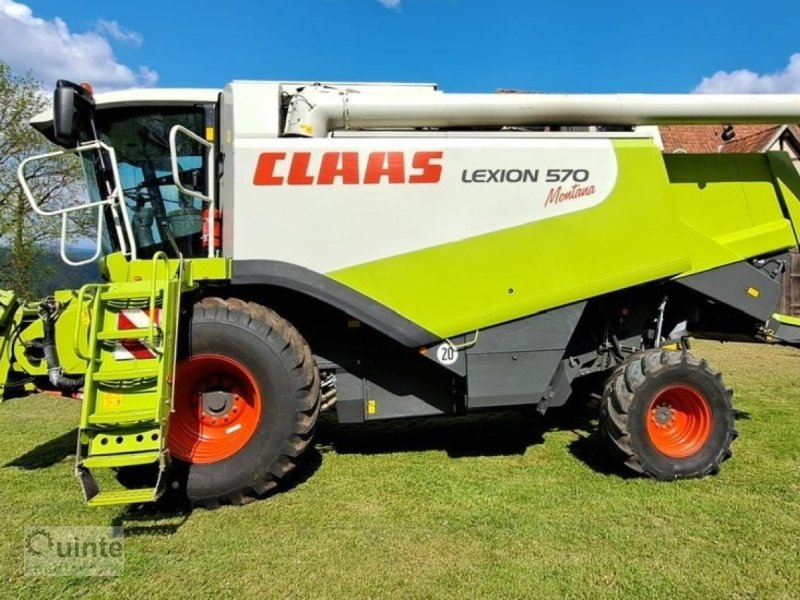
x: 668, y: 415
x: 246, y: 403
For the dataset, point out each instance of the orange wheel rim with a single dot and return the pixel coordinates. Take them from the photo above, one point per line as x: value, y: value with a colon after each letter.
x: 217, y: 409
x: 679, y: 421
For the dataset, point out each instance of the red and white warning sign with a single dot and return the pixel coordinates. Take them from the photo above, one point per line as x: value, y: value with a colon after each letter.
x: 135, y: 318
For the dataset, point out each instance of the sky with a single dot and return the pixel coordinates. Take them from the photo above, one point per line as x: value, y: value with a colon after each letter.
x: 730, y: 46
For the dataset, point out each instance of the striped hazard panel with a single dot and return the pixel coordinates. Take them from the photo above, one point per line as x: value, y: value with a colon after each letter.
x: 135, y: 318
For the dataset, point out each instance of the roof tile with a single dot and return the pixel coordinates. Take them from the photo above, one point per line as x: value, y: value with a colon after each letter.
x: 707, y: 138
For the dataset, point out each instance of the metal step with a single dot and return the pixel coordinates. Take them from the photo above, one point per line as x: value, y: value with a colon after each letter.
x: 127, y: 334
x: 124, y: 417
x: 129, y: 459
x: 134, y: 292
x: 127, y: 375
x: 124, y: 497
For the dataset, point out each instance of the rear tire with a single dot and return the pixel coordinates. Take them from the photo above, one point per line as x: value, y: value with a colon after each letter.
x: 668, y: 415
x: 244, y: 352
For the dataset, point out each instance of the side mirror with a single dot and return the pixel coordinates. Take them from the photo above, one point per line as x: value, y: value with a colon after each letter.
x: 72, y: 109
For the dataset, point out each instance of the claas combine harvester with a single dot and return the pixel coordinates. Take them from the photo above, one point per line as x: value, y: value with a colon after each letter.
x: 277, y: 249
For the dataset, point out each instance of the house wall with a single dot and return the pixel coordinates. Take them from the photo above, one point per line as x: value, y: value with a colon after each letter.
x: 790, y: 296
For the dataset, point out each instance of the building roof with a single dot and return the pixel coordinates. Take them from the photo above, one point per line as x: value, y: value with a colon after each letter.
x: 707, y: 139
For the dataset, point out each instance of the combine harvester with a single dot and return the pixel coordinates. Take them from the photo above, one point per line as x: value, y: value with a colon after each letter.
x: 275, y: 249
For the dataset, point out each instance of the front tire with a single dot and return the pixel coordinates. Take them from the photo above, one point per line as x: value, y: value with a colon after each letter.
x: 247, y: 399
x: 668, y: 415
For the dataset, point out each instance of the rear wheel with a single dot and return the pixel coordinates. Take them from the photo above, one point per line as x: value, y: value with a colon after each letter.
x: 246, y: 403
x: 668, y: 415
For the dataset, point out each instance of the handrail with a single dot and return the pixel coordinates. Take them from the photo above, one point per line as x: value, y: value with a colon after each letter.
x: 98, y: 243
x: 115, y: 197
x: 158, y: 256
x: 29, y: 195
x: 180, y: 273
x: 209, y: 199
x: 79, y: 318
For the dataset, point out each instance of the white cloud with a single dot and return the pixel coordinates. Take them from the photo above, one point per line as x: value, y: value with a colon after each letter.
x: 390, y: 3
x: 51, y: 51
x: 119, y: 33
x: 745, y: 81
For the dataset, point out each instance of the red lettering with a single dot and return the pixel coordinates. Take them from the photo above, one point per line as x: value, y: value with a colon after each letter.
x: 265, y: 169
x: 298, y: 171
x: 381, y: 166
x: 429, y: 173
x: 556, y: 195
x: 385, y: 164
x: 338, y: 164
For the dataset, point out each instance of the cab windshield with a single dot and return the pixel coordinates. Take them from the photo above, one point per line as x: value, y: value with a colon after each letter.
x: 162, y: 218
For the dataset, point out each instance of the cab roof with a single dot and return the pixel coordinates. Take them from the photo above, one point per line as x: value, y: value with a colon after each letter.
x: 136, y: 97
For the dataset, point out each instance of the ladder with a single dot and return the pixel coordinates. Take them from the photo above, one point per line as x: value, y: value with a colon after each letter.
x: 127, y: 395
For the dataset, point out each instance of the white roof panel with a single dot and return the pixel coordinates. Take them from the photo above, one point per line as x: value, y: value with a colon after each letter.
x: 141, y: 97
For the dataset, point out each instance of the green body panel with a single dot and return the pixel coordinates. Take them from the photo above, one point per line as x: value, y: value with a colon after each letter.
x: 728, y: 208
x: 787, y: 182
x: 787, y: 319
x: 8, y: 303
x: 116, y: 268
x: 668, y: 216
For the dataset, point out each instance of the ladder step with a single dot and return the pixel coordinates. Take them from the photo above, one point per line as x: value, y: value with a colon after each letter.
x: 148, y: 373
x: 126, y: 334
x: 124, y: 497
x: 130, y: 294
x: 123, y: 417
x: 129, y: 459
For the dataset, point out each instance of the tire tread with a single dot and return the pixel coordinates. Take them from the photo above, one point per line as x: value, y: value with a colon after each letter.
x: 295, y: 355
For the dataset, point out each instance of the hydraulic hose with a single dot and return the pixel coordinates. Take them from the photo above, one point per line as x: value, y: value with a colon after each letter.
x: 55, y: 372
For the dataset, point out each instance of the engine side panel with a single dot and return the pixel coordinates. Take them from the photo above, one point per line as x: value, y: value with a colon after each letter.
x: 652, y: 226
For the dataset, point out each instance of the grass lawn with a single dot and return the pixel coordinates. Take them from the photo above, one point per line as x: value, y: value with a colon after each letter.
x: 489, y: 506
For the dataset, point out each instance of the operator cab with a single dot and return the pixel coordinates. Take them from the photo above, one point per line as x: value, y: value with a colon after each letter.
x: 151, y: 150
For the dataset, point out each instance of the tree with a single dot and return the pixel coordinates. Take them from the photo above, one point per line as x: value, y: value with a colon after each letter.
x: 26, y: 238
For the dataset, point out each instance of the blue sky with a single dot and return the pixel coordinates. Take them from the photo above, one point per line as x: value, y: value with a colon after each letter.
x: 464, y: 45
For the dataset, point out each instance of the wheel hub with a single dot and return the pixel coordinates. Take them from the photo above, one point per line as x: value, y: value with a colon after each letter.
x: 216, y: 402
x: 663, y: 415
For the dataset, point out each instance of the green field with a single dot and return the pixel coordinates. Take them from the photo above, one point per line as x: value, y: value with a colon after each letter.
x: 489, y: 506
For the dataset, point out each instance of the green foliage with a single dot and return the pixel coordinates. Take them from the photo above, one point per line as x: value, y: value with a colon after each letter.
x: 484, y: 506
x: 24, y: 233
x: 50, y: 273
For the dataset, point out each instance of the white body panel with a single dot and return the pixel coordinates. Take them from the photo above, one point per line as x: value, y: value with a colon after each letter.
x: 484, y: 185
